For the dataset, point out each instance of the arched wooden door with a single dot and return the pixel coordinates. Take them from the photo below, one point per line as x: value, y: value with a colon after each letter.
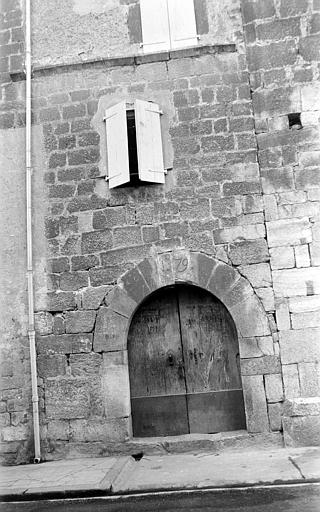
x: 184, y: 365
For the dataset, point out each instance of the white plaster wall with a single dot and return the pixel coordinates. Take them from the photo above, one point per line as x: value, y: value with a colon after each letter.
x: 66, y: 31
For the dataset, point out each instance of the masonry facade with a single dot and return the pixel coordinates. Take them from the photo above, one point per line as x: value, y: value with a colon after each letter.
x: 239, y: 206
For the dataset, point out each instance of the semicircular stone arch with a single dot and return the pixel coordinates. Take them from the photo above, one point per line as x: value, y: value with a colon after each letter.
x: 201, y: 270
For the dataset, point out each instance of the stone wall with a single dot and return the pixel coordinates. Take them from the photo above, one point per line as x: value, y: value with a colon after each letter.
x: 283, y: 54
x: 243, y: 190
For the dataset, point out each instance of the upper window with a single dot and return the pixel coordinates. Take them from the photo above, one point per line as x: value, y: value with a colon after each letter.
x: 134, y: 143
x: 167, y: 24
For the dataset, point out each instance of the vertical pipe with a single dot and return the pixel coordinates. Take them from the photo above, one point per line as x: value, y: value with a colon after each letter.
x: 31, y: 330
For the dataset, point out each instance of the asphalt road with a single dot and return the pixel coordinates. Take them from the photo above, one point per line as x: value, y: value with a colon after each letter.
x: 286, y: 498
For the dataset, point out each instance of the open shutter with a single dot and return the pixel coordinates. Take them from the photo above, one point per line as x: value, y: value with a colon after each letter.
x: 183, y: 31
x: 149, y: 143
x: 117, y: 145
x: 155, y: 27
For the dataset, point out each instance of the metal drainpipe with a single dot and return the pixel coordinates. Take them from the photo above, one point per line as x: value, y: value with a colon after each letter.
x: 31, y: 330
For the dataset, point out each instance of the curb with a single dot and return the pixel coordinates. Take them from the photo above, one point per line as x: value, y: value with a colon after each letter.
x: 97, y: 492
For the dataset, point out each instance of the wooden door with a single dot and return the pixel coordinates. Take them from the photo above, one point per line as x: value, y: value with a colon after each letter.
x: 184, y: 365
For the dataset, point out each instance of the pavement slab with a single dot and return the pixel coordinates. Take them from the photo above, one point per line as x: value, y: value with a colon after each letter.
x: 121, y: 475
x: 67, y: 476
x: 308, y: 462
x: 209, y: 470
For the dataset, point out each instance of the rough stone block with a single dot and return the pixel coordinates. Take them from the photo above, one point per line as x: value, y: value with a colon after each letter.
x: 259, y: 275
x: 272, y: 55
x: 72, y: 281
x: 59, y: 265
x: 294, y: 282
x: 128, y: 235
x: 250, y: 318
x: 255, y: 403
x: 260, y: 365
x: 274, y: 387
x: 300, y: 346
x: 148, y: 268
x: 275, y: 102
x: 309, y: 48
x: 309, y: 375
x: 257, y: 10
x: 119, y: 302
x: 304, y: 304
x: 275, y: 416
x: 110, y: 331
x: 115, y: 384
x: 100, y: 429
x: 239, y: 233
x: 80, y: 321
x: 59, y: 325
x: 251, y: 251
x: 206, y: 266
x: 282, y: 315
x: 315, y: 253
x: 302, y: 256
x: 307, y: 178
x: 84, y: 262
x: 282, y: 257
x: 309, y: 158
x: 85, y: 220
x: 266, y: 296
x: 67, y: 399
x: 60, y: 301
x: 19, y: 433
x: 302, y: 407
x: 96, y: 241
x: 135, y: 285
x: 58, y: 430
x: 256, y: 347
x: 301, y: 431
x: 85, y: 364
x: 93, y: 297
x: 306, y: 319
x: 43, y: 322
x: 64, y: 344
x: 270, y: 207
x: 288, y: 232
x: 310, y: 96
x: 223, y: 279
x: 51, y: 365
x: 291, y: 380
x: 240, y: 188
x: 277, y: 180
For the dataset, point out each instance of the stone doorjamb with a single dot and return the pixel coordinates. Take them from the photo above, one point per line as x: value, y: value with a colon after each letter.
x: 206, y: 272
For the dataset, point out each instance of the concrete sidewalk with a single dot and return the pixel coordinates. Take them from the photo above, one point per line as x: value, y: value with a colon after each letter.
x: 107, y: 476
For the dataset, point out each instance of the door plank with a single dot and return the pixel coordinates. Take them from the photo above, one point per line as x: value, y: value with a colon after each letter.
x: 154, y: 348
x: 209, y: 340
x: 219, y: 411
x: 159, y: 416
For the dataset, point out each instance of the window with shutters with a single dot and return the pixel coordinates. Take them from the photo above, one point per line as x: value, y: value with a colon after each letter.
x: 167, y: 24
x: 134, y: 144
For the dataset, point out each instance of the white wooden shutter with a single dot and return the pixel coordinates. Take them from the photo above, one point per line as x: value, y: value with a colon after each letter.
x: 155, y: 25
x: 149, y: 143
x: 183, y: 31
x: 117, y: 145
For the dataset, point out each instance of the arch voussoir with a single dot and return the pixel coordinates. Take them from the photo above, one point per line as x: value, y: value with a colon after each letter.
x: 206, y: 272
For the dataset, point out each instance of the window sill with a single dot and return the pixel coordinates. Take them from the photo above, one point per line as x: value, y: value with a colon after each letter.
x: 145, y: 58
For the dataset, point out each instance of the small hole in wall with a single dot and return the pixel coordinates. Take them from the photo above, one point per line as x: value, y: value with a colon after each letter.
x: 295, y: 121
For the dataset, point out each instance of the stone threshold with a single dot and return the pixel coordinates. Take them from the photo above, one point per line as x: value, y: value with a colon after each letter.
x: 131, y: 60
x: 239, y: 440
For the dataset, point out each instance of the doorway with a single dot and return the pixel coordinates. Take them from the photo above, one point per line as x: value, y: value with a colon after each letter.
x: 184, y: 365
